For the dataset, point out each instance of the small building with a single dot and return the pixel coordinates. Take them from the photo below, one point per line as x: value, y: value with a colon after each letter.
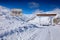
x: 16, y: 12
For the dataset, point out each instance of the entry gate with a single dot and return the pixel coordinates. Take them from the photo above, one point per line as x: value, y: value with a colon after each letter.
x: 47, y: 15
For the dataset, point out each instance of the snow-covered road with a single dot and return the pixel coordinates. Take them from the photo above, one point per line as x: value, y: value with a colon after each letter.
x: 34, y: 33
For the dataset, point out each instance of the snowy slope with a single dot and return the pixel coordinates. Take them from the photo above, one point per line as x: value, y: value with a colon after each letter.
x: 11, y: 24
x: 25, y: 27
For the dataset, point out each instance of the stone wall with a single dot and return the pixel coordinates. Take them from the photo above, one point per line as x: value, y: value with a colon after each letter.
x: 56, y: 20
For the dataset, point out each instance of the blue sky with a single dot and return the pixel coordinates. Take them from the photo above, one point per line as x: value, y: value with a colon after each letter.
x: 29, y: 6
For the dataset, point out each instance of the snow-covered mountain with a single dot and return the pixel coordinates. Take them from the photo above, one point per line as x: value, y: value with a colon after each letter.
x: 11, y: 24
x: 25, y: 27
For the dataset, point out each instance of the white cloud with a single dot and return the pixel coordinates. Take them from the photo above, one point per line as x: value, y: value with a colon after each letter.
x: 34, y: 5
x: 38, y: 12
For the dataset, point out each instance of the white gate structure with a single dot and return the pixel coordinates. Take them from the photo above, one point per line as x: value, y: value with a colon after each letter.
x: 47, y: 15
